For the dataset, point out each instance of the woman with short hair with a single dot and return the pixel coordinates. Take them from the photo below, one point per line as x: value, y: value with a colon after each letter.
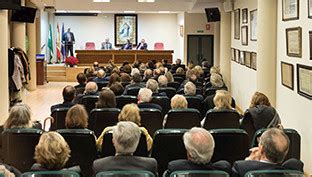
x: 76, y: 117
x: 19, y: 117
x: 107, y: 99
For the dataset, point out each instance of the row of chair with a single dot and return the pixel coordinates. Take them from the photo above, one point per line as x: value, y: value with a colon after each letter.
x: 230, y: 145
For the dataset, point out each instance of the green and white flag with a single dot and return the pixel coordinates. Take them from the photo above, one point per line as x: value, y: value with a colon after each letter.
x: 50, y: 44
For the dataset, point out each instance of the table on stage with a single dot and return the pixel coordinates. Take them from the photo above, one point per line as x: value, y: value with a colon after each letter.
x: 87, y: 57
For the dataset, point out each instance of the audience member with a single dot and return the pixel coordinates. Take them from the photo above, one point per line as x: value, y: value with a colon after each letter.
x: 206, y: 68
x: 126, y: 136
x: 162, y: 81
x: 100, y: 77
x: 144, y: 98
x: 107, y: 99
x: 199, y: 145
x: 216, y: 81
x: 198, y: 71
x: 215, y: 69
x: 9, y: 171
x: 190, y: 77
x: 129, y: 112
x: 190, y: 90
x: 142, y: 68
x: 117, y: 88
x: 273, y: 148
x: 19, y: 117
x: 126, y: 68
x: 125, y: 78
x: 177, y: 102
x: 90, y: 74
x: 96, y: 66
x: 180, y: 72
x: 169, y: 76
x: 69, y: 93
x: 166, y: 64
x: 136, y: 83
x: 76, y: 117
x: 148, y: 74
x: 153, y: 86
x: 113, y: 78
x: 156, y: 73
x: 134, y: 71
x: 177, y: 65
x: 91, y: 89
x: 81, y: 79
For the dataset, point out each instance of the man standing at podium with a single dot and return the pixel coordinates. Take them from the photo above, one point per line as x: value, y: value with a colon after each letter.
x: 69, y: 40
x: 106, y: 45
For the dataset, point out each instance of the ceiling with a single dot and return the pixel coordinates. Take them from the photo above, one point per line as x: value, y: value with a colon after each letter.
x: 174, y: 6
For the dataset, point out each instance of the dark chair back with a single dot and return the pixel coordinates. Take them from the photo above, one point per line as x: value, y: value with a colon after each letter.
x: 101, y: 85
x: 170, y: 91
x: 133, y: 91
x: 83, y: 148
x: 19, y: 147
x: 124, y: 84
x: 89, y: 102
x: 59, y: 116
x: 221, y: 119
x: 178, y: 79
x: 167, y: 146
x: 151, y: 119
x: 108, y: 148
x: 195, y: 102
x: 61, y: 173
x: 230, y: 144
x: 175, y: 85
x: 199, y: 173
x: 101, y: 118
x: 125, y: 173
x: 212, y: 90
x: 274, y: 173
x: 163, y: 102
x: 183, y: 118
x: 125, y: 99
x: 294, y: 139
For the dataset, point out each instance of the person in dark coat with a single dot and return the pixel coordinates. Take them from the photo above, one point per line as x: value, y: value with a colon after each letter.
x: 69, y: 93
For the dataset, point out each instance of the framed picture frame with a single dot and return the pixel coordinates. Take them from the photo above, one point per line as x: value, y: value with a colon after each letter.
x: 126, y: 27
x: 244, y: 15
x: 244, y: 35
x: 290, y: 10
x: 232, y: 54
x: 253, y: 25
x: 248, y: 59
x: 242, y: 57
x: 310, y: 39
x: 304, y: 81
x: 237, y: 55
x: 287, y: 75
x: 310, y: 8
x: 237, y: 24
x: 294, y: 42
x: 253, y: 62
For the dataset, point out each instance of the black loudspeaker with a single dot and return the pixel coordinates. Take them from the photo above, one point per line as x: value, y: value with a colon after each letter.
x: 213, y: 14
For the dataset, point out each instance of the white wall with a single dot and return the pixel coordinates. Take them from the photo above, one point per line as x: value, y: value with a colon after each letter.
x: 152, y: 27
x: 44, y: 29
x: 294, y: 109
x: 243, y: 79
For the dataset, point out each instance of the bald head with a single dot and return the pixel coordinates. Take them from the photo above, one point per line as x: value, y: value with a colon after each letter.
x: 91, y: 87
x: 69, y: 93
x: 101, y: 73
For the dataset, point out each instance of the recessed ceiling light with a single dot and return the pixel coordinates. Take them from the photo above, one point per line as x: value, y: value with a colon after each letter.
x: 129, y: 11
x: 101, y: 0
x: 146, y: 0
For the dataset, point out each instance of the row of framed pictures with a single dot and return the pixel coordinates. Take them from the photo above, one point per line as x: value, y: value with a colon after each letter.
x: 246, y: 58
x: 290, y: 9
x: 304, y: 78
x: 242, y: 32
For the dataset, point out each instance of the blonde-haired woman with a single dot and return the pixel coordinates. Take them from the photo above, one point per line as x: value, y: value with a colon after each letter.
x: 76, y: 117
x: 19, y: 117
x: 177, y: 102
x: 129, y: 112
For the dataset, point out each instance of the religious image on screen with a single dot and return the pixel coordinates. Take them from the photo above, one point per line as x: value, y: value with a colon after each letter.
x: 125, y: 28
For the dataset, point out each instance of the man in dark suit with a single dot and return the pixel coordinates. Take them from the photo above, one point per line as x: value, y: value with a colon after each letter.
x: 69, y: 40
x: 144, y: 98
x: 127, y: 46
x: 199, y: 145
x: 126, y: 136
x: 273, y: 148
x: 90, y: 89
x: 69, y: 93
x: 177, y: 64
x: 135, y: 83
x: 106, y: 45
x: 142, y: 45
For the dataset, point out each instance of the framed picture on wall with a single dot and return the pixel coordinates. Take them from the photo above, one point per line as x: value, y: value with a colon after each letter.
x: 244, y: 15
x: 287, y: 73
x: 310, y: 8
x: 237, y: 24
x: 126, y: 27
x: 294, y: 42
x: 290, y: 9
x: 244, y: 35
x: 253, y: 62
x: 253, y: 25
x: 310, y: 39
x: 242, y: 57
x: 248, y: 59
x: 237, y: 55
x: 304, y: 80
x: 232, y: 54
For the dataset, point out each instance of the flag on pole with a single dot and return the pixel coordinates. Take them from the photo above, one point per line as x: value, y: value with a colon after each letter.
x: 58, y: 44
x: 62, y: 45
x: 50, y: 43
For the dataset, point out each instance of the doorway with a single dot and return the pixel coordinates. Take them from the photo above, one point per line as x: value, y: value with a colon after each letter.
x: 200, y: 47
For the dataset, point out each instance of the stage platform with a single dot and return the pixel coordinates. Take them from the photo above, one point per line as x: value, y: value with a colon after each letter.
x: 63, y: 73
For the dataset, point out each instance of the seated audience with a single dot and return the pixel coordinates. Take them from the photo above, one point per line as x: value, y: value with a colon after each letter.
x: 198, y: 71
x: 144, y: 98
x: 190, y: 90
x: 156, y: 73
x: 81, y: 79
x: 148, y: 74
x: 179, y: 72
x: 135, y: 70
x: 126, y: 136
x: 9, y: 171
x: 107, y: 99
x: 69, y: 93
x: 206, y: 68
x: 90, y: 74
x: 162, y: 81
x: 177, y: 65
x: 169, y: 76
x: 126, y: 68
x: 199, y: 145
x: 166, y: 64
x: 142, y: 68
x: 76, y: 117
x: 177, y: 102
x: 100, y: 77
x: 117, y: 88
x: 51, y: 153
x: 214, y: 69
x: 190, y: 77
x: 136, y: 83
x: 96, y: 66
x: 273, y: 148
x: 91, y: 89
x: 153, y: 86
x: 262, y: 113
x: 113, y: 78
x: 129, y: 112
x: 19, y: 117
x: 125, y: 78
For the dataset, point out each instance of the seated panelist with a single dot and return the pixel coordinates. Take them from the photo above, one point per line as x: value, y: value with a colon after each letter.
x: 142, y: 45
x: 127, y: 46
x: 106, y: 45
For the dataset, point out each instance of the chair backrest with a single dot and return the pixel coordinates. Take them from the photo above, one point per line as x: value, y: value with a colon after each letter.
x: 221, y: 119
x: 90, y: 46
x: 89, y: 102
x: 163, y: 102
x: 19, y: 147
x: 199, y: 173
x: 59, y: 116
x: 159, y: 46
x: 170, y: 91
x: 101, y: 118
x: 125, y: 99
x: 101, y: 85
x: 230, y: 144
x: 274, y: 173
x: 212, y: 90
x: 61, y: 173
x: 125, y: 173
x: 195, y: 102
x: 108, y: 148
x: 83, y: 148
x: 133, y: 91
x: 151, y: 119
x: 247, y: 124
x: 174, y: 84
x: 178, y: 79
x: 294, y: 139
x: 167, y: 146
x: 183, y: 118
